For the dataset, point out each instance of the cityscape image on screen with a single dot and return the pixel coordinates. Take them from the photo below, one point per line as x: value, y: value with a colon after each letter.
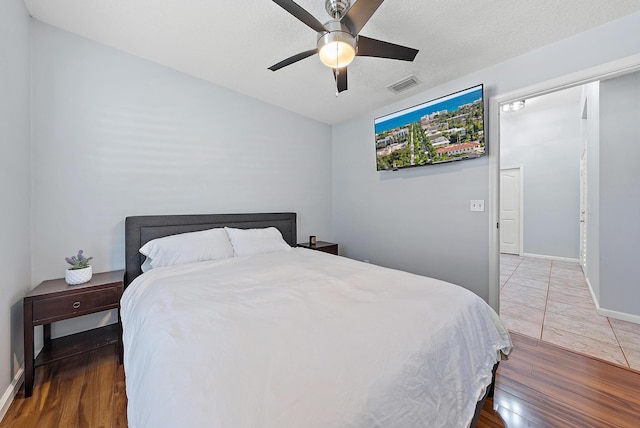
x: 446, y: 129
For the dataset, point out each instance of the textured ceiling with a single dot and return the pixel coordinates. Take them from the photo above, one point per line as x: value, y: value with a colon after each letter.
x: 231, y: 43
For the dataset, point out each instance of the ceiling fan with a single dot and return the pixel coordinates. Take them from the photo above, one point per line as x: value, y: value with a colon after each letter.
x: 339, y: 40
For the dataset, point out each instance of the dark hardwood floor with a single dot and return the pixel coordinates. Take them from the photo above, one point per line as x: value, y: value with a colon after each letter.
x: 86, y: 391
x: 539, y: 386
x: 542, y: 385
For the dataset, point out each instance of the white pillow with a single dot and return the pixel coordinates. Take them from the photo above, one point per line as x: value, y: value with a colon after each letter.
x: 246, y: 242
x: 146, y: 265
x: 212, y: 244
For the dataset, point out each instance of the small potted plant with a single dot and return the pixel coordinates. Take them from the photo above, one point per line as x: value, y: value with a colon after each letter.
x: 80, y: 270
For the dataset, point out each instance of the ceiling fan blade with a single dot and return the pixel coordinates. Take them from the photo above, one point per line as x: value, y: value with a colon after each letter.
x: 341, y: 78
x: 359, y: 14
x: 296, y: 10
x: 380, y: 49
x: 292, y: 59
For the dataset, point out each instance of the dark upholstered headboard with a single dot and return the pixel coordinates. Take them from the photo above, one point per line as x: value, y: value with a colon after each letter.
x: 141, y: 229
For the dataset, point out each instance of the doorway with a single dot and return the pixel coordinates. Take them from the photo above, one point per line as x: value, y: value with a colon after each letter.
x: 566, y: 318
x: 544, y: 292
x: 603, y: 71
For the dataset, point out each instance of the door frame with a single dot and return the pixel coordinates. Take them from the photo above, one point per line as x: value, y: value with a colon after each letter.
x: 583, y: 210
x: 520, y: 168
x: 611, y: 69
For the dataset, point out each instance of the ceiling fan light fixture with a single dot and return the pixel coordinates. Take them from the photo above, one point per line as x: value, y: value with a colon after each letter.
x: 337, y: 54
x: 337, y: 47
x: 339, y: 40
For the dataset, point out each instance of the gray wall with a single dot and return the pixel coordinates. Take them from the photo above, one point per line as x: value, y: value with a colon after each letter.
x: 544, y: 138
x: 620, y: 194
x: 419, y: 219
x: 14, y: 184
x: 115, y: 135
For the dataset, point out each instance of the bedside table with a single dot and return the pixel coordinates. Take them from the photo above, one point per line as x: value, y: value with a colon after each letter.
x: 55, y: 300
x: 325, y: 247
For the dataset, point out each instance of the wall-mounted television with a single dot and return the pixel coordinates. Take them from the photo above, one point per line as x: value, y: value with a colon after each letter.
x: 447, y: 129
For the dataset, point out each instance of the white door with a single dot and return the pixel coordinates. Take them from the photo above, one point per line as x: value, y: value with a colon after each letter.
x: 583, y: 210
x: 510, y: 211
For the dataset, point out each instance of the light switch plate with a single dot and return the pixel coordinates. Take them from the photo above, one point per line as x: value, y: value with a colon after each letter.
x: 477, y: 205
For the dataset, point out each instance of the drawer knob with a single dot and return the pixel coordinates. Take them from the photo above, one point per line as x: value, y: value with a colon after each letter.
x: 76, y: 305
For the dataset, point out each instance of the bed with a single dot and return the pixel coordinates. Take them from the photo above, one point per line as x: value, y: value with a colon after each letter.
x: 296, y: 337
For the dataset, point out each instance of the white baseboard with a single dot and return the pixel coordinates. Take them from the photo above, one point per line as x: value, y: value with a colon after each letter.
x: 560, y: 259
x: 623, y: 316
x: 12, y: 390
x: 593, y: 295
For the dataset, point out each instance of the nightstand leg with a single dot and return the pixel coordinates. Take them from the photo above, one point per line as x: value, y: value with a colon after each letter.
x: 29, y: 369
x: 46, y: 334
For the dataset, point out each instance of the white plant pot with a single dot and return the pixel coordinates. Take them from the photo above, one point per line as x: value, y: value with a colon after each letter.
x: 78, y: 276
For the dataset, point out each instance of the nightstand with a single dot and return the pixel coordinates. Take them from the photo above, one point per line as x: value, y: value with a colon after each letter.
x: 55, y: 300
x: 326, y: 247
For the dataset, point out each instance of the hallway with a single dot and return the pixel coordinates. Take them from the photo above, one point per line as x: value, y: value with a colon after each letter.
x: 550, y: 300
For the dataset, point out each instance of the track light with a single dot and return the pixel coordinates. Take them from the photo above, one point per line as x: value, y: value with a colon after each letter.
x: 514, y: 106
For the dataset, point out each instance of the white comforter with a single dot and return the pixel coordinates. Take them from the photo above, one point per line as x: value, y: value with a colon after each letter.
x: 304, y: 339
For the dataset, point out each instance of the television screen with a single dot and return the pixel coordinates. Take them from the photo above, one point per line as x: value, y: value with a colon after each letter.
x: 446, y: 129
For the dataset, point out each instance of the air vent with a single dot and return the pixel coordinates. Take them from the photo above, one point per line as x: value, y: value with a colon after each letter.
x: 404, y: 84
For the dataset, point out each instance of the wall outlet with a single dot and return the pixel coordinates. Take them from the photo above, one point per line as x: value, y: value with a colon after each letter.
x: 477, y: 205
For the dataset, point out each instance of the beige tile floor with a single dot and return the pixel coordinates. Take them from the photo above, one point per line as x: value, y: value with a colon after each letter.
x: 550, y: 300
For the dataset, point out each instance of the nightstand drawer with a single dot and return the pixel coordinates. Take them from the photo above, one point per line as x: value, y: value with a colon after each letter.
x: 331, y: 249
x: 62, y: 307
